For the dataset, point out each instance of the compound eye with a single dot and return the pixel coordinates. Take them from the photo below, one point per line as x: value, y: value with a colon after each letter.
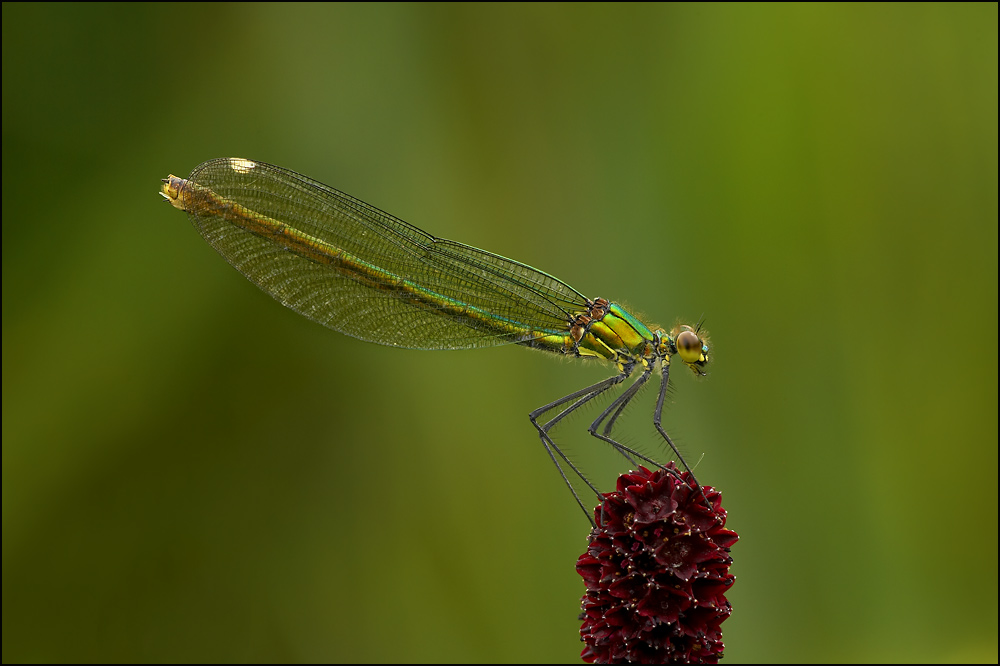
x: 689, y: 346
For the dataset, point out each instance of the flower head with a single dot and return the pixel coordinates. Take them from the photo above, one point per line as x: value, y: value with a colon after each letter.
x: 656, y: 571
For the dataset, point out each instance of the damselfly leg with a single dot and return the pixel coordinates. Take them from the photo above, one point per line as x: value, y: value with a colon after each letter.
x: 607, y: 419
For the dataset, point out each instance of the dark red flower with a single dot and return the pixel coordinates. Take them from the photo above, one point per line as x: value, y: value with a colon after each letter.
x: 656, y: 572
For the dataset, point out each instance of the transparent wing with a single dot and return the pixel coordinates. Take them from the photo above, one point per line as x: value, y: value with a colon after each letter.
x: 401, y: 286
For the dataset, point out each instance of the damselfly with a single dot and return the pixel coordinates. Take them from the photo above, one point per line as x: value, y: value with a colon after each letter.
x: 365, y: 273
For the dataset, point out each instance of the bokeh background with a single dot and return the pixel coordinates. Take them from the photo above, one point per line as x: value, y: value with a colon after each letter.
x: 192, y: 472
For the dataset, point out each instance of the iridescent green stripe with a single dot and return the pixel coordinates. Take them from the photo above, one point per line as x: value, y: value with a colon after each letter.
x: 200, y: 200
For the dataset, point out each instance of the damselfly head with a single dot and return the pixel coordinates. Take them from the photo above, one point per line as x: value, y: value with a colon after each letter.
x: 691, y: 344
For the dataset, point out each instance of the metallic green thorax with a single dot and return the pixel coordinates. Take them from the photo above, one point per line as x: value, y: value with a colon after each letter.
x: 620, y: 330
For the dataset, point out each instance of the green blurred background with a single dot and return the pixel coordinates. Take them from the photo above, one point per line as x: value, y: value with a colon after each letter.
x: 191, y: 471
